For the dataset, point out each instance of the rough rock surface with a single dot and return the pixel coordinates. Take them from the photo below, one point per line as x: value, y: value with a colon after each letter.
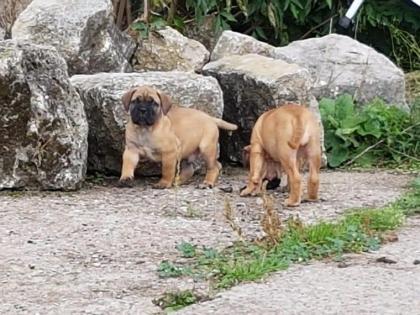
x: 97, y: 250
x: 83, y: 31
x: 340, y: 64
x: 168, y: 51
x: 232, y: 43
x: 43, y: 125
x: 204, y: 32
x: 101, y: 94
x: 251, y: 85
x: 9, y: 11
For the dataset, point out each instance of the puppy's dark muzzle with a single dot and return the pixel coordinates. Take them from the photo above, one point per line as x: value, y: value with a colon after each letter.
x: 142, y: 115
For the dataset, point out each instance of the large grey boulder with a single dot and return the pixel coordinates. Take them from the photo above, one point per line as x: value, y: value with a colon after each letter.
x: 233, y: 43
x: 102, y: 94
x: 168, y: 50
x: 340, y: 64
x: 43, y: 125
x: 83, y: 31
x: 253, y: 84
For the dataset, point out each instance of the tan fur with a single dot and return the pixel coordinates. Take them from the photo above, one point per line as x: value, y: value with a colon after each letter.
x: 285, y: 136
x: 179, y: 134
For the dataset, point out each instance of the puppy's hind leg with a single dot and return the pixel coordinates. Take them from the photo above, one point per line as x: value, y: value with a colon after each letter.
x: 314, y: 161
x: 256, y: 173
x: 294, y: 180
x: 209, y: 153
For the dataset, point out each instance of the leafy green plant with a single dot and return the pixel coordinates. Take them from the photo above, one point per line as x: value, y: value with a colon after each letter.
x: 376, y: 134
x: 144, y: 28
x: 187, y: 250
x: 393, y: 27
x: 169, y: 270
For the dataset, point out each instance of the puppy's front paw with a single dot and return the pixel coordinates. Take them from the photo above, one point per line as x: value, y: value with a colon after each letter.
x: 162, y: 185
x: 127, y: 182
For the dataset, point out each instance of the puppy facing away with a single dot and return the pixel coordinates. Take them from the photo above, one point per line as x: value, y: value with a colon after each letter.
x: 161, y: 131
x: 286, y: 135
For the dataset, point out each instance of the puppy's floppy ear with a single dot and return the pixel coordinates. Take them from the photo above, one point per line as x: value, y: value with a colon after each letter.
x: 126, y: 98
x: 165, y: 102
x: 245, y: 155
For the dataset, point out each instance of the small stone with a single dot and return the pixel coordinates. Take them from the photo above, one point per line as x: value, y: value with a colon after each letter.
x: 32, y: 267
x: 259, y: 201
x: 226, y: 189
x: 386, y: 260
x: 343, y: 265
x: 416, y: 262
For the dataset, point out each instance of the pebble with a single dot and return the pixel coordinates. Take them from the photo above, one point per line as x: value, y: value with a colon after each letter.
x: 386, y: 260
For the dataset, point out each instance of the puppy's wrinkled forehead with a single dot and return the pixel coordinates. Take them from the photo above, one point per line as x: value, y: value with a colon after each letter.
x: 145, y: 94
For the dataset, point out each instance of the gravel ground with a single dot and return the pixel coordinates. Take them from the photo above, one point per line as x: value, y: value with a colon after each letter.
x: 96, y: 251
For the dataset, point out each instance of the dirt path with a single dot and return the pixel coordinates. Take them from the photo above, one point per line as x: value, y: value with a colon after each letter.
x: 96, y: 251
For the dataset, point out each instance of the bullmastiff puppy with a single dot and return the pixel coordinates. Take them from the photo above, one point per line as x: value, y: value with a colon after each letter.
x: 281, y: 140
x: 161, y: 131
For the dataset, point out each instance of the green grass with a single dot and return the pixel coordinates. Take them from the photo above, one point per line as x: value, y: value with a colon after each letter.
x: 358, y: 231
x: 168, y: 269
x: 175, y: 300
x: 410, y: 202
x: 187, y: 250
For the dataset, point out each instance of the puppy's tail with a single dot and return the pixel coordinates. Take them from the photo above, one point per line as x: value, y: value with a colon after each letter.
x: 224, y: 124
x: 298, y: 133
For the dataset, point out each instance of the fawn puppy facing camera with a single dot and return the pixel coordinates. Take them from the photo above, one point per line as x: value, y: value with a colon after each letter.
x: 161, y: 131
x: 281, y: 139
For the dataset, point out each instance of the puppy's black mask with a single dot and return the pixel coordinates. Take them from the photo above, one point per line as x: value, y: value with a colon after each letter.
x: 144, y: 113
